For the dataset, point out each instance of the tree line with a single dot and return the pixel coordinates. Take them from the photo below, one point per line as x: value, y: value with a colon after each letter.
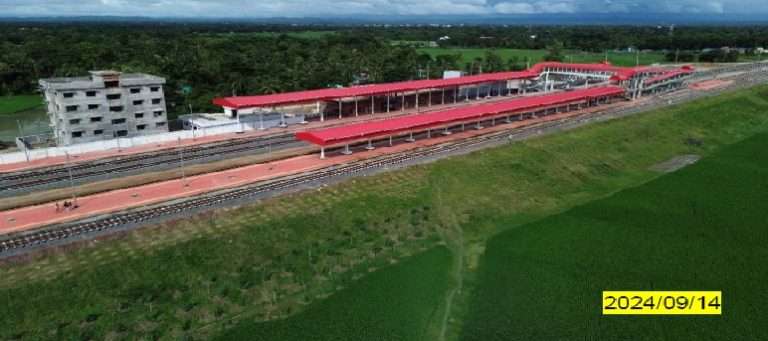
x: 215, y: 60
x: 210, y: 63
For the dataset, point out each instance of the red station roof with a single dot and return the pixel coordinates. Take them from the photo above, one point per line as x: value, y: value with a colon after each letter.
x: 619, y: 73
x: 365, y: 90
x: 667, y: 75
x: 352, y: 132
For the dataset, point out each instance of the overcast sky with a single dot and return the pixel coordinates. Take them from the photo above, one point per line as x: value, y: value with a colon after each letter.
x: 320, y: 8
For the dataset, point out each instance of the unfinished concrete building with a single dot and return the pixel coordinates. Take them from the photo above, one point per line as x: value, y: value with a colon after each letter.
x: 105, y: 105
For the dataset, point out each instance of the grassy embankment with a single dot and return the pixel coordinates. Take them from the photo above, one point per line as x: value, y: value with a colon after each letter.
x: 396, y: 303
x: 701, y: 228
x: 271, y: 260
x: 14, y: 104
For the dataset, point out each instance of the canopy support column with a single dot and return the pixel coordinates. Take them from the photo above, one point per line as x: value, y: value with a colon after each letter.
x: 357, y: 113
x: 370, y: 145
x: 346, y: 150
x: 442, y: 102
x: 390, y: 140
x: 402, y: 103
x: 317, y: 110
x: 417, y: 100
x: 322, y: 153
x: 429, y: 98
x: 373, y: 106
x: 410, y: 138
x: 387, y: 103
x: 341, y: 103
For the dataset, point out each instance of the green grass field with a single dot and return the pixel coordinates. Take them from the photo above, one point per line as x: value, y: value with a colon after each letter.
x: 535, y: 56
x: 281, y: 257
x: 14, y: 104
x: 701, y: 228
x: 395, y: 303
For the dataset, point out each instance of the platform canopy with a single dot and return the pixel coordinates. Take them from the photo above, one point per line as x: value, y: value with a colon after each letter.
x: 309, y: 96
x: 332, y: 94
x: 386, y: 127
x: 667, y: 75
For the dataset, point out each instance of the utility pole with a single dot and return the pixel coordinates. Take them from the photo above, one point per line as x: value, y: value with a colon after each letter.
x: 71, y: 180
x: 21, y: 138
x: 181, y: 163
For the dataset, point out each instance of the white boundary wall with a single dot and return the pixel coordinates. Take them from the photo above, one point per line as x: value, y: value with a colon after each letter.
x: 125, y: 142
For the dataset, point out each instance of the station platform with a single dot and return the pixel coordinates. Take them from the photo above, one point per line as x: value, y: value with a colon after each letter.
x: 329, y: 122
x: 28, y: 218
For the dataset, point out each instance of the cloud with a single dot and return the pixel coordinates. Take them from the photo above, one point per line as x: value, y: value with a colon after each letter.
x: 514, y: 8
x: 325, y: 8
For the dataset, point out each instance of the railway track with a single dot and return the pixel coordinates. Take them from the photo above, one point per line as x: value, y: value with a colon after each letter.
x: 204, y: 202
x: 13, y: 183
x: 188, y: 206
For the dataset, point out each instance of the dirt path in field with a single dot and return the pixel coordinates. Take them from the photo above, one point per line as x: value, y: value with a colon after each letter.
x: 676, y: 163
x: 453, y: 236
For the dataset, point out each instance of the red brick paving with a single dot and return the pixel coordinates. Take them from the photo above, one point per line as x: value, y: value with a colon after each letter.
x: 710, y: 84
x: 40, y: 215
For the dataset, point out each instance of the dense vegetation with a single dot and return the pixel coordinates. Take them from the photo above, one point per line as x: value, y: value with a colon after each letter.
x: 272, y: 260
x: 701, y: 228
x: 396, y: 303
x: 219, y: 60
x: 212, y: 63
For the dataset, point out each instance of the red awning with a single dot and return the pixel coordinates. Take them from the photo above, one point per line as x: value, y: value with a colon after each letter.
x: 358, y: 131
x: 365, y: 90
x: 667, y: 75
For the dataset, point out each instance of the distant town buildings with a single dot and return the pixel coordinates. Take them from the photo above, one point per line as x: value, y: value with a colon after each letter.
x: 104, y: 105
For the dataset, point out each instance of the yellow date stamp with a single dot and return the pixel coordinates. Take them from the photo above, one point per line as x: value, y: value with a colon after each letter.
x: 662, y: 303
